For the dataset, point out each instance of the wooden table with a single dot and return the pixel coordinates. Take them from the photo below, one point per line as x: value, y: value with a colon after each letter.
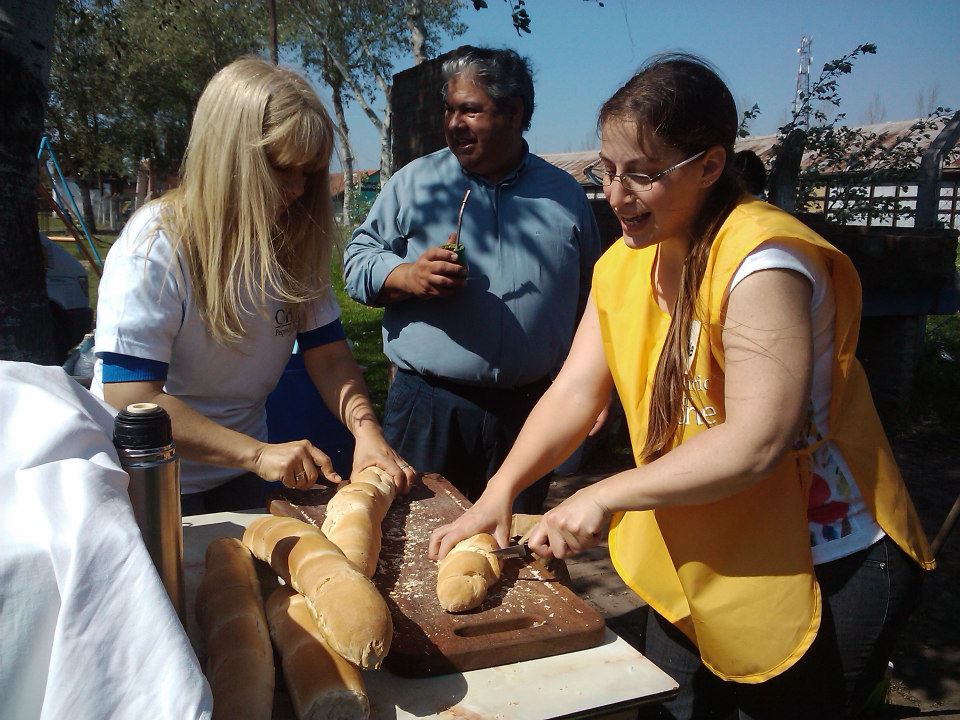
x: 603, y: 682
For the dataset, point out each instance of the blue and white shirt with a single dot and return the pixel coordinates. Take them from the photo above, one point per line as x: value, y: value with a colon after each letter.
x: 149, y: 328
x: 530, y: 243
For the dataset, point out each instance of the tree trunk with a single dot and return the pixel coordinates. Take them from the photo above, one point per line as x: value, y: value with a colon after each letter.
x: 418, y: 32
x: 782, y: 183
x: 335, y: 80
x: 143, y: 179
x: 86, y: 204
x: 26, y: 324
x: 346, y: 154
x: 386, y: 138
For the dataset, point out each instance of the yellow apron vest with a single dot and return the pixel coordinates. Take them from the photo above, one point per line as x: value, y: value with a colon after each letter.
x: 736, y: 575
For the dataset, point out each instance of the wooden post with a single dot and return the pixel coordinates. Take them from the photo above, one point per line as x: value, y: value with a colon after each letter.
x: 948, y: 524
x: 782, y: 185
x: 928, y: 187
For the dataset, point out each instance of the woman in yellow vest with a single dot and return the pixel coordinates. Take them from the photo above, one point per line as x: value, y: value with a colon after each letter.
x: 766, y: 523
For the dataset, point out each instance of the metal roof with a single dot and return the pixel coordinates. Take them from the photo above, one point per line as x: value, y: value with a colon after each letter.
x: 576, y: 162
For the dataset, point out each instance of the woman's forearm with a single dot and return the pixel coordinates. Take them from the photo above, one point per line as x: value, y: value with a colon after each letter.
x: 199, y: 438
x: 338, y: 379
x: 564, y: 415
x: 196, y: 436
x: 710, y: 466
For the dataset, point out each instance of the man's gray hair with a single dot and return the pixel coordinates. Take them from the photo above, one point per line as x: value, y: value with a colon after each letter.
x: 503, y: 74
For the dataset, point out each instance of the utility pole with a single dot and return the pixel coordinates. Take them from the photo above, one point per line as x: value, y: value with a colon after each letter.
x: 801, y: 98
x: 272, y: 16
x: 782, y: 181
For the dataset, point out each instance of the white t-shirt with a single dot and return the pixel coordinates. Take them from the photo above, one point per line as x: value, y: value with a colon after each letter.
x: 146, y: 309
x: 839, y: 521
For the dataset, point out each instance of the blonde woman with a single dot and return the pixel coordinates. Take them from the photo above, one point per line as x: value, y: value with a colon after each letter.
x: 766, y: 524
x: 206, y: 289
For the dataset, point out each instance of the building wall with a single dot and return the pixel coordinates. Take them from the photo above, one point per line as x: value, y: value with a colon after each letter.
x: 417, y: 122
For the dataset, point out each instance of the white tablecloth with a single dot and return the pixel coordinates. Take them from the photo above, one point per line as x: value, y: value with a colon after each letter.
x: 86, y: 629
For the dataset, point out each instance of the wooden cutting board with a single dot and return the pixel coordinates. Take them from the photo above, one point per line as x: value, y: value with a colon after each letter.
x: 528, y: 615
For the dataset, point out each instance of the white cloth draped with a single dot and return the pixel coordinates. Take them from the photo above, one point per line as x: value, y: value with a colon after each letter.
x: 86, y: 629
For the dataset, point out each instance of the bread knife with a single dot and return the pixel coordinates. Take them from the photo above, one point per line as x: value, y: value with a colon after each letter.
x: 520, y: 550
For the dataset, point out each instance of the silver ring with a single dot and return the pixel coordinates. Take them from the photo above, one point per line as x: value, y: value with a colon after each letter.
x: 404, y: 466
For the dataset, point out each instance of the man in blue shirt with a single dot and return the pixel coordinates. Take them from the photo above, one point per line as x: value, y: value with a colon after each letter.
x: 476, y: 337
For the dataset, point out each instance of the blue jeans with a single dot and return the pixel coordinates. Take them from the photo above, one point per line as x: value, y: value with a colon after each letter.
x: 462, y: 432
x: 868, y: 597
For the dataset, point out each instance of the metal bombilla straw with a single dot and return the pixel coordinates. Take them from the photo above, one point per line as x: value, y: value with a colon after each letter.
x: 463, y: 204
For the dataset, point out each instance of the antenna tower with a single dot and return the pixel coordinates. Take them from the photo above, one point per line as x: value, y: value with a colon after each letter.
x: 801, y: 99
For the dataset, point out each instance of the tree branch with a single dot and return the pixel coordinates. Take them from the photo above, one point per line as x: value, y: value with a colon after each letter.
x: 338, y: 62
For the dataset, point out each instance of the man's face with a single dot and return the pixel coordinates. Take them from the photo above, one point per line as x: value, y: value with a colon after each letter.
x: 485, y: 140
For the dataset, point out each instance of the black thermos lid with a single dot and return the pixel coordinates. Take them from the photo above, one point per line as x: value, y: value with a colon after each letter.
x: 142, y: 426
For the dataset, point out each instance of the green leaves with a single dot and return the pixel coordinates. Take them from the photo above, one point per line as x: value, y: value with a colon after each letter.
x: 174, y: 47
x: 743, y: 130
x: 126, y: 76
x: 846, y: 160
x: 521, y: 20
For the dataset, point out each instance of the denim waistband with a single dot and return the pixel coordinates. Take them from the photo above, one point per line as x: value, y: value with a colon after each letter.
x: 481, y: 392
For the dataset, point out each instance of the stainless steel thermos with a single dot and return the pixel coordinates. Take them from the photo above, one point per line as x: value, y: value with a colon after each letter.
x: 144, y: 442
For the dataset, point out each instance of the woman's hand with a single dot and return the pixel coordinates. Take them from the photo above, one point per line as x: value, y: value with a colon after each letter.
x: 492, y: 514
x: 372, y: 449
x: 575, y: 525
x: 296, y: 464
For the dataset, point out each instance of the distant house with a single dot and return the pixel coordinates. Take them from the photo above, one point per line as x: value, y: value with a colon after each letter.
x: 369, y: 189
x: 903, y: 192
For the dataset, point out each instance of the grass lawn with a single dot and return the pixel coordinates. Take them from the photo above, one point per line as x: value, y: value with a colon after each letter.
x: 937, y: 388
x: 362, y: 325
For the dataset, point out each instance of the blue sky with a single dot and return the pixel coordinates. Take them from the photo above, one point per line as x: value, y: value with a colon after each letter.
x: 581, y: 53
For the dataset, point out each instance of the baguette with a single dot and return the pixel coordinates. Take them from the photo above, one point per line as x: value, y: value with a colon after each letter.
x: 354, y: 515
x: 349, y: 611
x: 466, y: 574
x: 230, y: 614
x: 322, y: 685
x: 272, y: 538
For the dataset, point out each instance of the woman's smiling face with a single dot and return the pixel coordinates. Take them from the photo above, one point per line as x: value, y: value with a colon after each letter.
x: 669, y: 208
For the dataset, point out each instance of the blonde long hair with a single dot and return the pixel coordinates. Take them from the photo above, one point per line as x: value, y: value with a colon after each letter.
x: 227, y: 215
x: 683, y: 101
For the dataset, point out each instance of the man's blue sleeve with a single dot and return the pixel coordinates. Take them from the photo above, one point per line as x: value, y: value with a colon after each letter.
x: 370, y: 255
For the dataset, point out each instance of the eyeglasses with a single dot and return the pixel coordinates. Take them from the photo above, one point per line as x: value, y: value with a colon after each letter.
x: 632, y: 182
